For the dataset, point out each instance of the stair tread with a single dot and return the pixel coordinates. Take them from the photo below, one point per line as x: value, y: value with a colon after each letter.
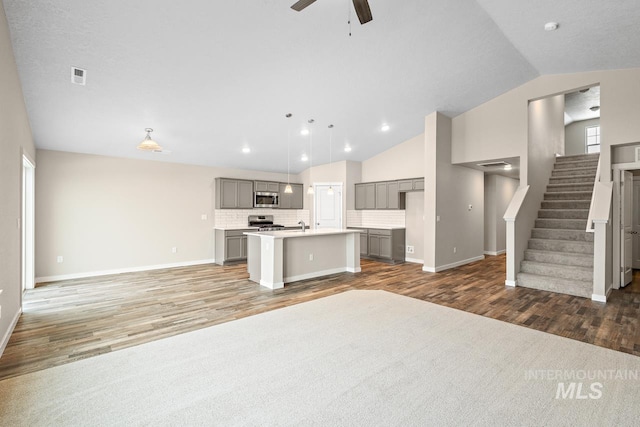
x: 574, y: 254
x: 559, y: 280
x: 560, y: 240
x: 553, y: 265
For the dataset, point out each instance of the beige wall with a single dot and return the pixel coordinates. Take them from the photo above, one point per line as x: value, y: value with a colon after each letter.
x: 499, y: 127
x: 449, y: 191
x: 498, y: 192
x: 405, y: 160
x: 414, y: 224
x: 103, y: 213
x: 574, y: 136
x: 15, y: 139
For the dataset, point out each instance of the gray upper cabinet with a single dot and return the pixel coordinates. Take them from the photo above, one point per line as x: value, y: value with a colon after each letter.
x: 365, y: 196
x: 234, y: 194
x: 393, y: 195
x: 382, y: 198
x: 415, y: 184
x: 360, y: 196
x: 291, y: 200
x: 272, y: 187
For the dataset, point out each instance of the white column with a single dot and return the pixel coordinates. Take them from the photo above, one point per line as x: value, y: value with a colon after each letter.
x: 511, y: 252
x: 272, y: 262
x: 353, y: 252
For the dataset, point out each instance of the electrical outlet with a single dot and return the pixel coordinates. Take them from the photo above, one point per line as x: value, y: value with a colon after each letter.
x: 455, y: 250
x: 310, y: 257
x: 410, y: 249
x: 174, y: 250
x: 470, y: 207
x: 59, y: 259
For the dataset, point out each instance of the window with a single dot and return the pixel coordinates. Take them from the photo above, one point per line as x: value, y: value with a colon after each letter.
x: 593, y: 139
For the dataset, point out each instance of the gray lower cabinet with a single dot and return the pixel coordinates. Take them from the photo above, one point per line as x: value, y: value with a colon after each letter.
x: 234, y: 193
x: 231, y: 246
x: 291, y: 200
x: 382, y: 244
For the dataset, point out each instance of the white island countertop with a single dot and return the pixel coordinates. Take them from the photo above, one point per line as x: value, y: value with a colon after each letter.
x: 282, y: 234
x: 379, y: 227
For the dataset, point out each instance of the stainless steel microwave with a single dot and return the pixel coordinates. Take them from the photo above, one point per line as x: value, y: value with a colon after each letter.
x: 263, y: 199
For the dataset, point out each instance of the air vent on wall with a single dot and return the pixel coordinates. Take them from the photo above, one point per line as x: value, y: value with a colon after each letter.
x: 493, y: 164
x: 78, y: 76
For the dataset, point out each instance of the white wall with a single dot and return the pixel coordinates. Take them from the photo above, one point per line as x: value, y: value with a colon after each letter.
x: 499, y: 128
x: 405, y: 160
x: 456, y: 195
x: 414, y: 225
x: 15, y: 139
x: 103, y: 213
x: 574, y: 136
x: 498, y: 192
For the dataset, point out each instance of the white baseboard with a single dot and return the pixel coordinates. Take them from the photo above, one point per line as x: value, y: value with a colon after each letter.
x: 494, y: 253
x: 452, y: 265
x: 601, y: 298
x: 121, y: 270
x: 414, y: 260
x: 278, y: 285
x: 353, y: 270
x: 511, y: 283
x: 7, y: 335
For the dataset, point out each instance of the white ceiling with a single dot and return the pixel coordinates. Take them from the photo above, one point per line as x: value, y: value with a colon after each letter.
x: 212, y: 77
x: 577, y: 105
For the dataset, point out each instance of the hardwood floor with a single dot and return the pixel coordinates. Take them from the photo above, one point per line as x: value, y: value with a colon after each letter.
x: 75, y: 319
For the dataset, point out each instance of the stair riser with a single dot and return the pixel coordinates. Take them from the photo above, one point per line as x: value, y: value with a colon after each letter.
x: 574, y: 195
x: 564, y: 214
x: 553, y: 270
x: 578, y: 157
x: 579, y: 179
x: 559, y: 258
x: 556, y: 188
x: 575, y: 165
x: 544, y: 284
x: 557, y: 234
x: 563, y: 204
x: 562, y: 246
x: 567, y: 224
x: 573, y: 172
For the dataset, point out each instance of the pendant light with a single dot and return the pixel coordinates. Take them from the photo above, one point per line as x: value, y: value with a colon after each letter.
x: 330, y: 190
x: 288, y: 188
x: 149, y: 144
x: 310, y: 189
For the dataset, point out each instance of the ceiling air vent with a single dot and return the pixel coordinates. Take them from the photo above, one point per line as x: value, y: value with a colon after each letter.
x: 78, y: 76
x: 493, y: 164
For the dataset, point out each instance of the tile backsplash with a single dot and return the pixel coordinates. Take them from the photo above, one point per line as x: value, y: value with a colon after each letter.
x: 227, y: 218
x: 391, y: 218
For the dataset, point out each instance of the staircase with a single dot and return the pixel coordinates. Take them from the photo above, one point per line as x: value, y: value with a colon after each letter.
x: 559, y: 257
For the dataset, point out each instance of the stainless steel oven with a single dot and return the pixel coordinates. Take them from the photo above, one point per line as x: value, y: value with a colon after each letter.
x: 264, y: 199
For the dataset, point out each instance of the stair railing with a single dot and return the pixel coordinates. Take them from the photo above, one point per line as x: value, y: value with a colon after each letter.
x: 590, y: 225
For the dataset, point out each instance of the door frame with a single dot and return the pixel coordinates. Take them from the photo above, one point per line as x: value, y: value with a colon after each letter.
x: 618, y: 169
x: 27, y: 224
x: 337, y: 186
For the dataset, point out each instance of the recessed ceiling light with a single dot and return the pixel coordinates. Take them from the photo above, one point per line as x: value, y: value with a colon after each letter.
x: 551, y: 26
x: 594, y: 108
x: 246, y: 150
x: 304, y: 158
x: 385, y: 127
x: 347, y: 148
x: 304, y: 132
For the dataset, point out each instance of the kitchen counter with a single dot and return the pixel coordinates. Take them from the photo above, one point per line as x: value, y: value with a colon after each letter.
x: 379, y: 227
x: 278, y: 257
x: 250, y: 227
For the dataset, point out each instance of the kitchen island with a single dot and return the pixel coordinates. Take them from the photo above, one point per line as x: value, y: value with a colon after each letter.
x: 278, y: 257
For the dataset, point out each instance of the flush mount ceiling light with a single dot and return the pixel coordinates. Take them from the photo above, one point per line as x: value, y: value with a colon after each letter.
x: 149, y: 144
x: 347, y: 148
x: 246, y: 150
x: 551, y: 26
x: 594, y: 108
x: 385, y: 127
x: 304, y: 132
x: 304, y: 158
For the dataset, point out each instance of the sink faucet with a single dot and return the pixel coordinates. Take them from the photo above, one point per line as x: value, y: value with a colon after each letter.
x: 301, y: 223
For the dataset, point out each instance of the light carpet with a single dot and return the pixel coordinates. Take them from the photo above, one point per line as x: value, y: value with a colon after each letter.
x: 357, y: 358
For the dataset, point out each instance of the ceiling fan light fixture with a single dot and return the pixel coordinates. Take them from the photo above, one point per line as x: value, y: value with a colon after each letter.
x: 149, y: 144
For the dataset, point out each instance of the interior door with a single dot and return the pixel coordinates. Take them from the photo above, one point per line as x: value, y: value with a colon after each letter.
x: 328, y: 207
x: 636, y: 223
x: 626, y: 227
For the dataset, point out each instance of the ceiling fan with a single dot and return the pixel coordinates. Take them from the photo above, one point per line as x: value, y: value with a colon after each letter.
x: 362, y: 8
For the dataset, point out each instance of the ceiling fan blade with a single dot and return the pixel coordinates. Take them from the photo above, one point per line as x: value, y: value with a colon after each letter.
x: 301, y: 4
x: 362, y: 10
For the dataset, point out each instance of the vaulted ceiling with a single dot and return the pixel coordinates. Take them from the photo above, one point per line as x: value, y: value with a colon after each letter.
x: 214, y: 77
